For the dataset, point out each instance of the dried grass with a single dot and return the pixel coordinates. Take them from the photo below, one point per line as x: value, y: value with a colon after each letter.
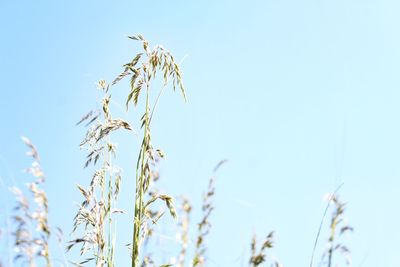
x: 337, y: 227
x: 183, y: 233
x: 95, y: 215
x: 142, y: 70
x: 259, y: 255
x: 95, y: 221
x: 204, y: 226
x: 32, y: 231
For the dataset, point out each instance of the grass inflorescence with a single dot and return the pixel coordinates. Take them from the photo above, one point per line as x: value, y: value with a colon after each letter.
x: 32, y: 232
x: 94, y: 227
x: 142, y: 70
x: 96, y: 212
x: 337, y: 227
x: 259, y: 255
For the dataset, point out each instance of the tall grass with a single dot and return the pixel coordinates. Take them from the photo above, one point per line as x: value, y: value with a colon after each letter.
x: 338, y: 227
x: 204, y: 226
x: 183, y: 233
x: 96, y: 213
x: 142, y: 71
x: 94, y: 225
x: 32, y: 231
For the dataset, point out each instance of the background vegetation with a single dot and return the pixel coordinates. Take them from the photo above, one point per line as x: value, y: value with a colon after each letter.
x: 299, y: 97
x: 96, y: 218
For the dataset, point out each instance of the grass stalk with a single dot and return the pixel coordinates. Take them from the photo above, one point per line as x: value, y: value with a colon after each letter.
x: 142, y: 70
x: 32, y: 244
x: 337, y: 228
x: 204, y: 225
x: 96, y: 213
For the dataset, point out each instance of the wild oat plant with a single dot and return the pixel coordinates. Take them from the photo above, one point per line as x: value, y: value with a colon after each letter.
x: 142, y: 71
x: 96, y: 212
x: 32, y: 230
x: 94, y: 227
x: 338, y: 227
x: 155, y: 213
x: 204, y: 226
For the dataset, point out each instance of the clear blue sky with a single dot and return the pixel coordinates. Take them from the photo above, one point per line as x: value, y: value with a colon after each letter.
x: 300, y: 96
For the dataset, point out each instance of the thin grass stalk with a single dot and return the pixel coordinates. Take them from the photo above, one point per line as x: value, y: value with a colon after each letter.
x: 96, y: 211
x: 321, y: 224
x: 331, y: 241
x: 183, y: 233
x: 32, y: 244
x: 142, y: 70
x: 140, y: 188
x: 204, y: 226
x: 337, y: 227
x: 111, y: 234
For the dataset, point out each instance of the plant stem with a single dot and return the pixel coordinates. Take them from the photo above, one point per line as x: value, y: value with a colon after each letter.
x: 110, y: 259
x: 331, y: 239
x: 140, y: 186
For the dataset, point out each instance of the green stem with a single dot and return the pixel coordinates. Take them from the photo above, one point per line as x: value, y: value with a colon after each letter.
x: 110, y: 259
x: 331, y: 239
x: 140, y: 188
x: 47, y: 253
